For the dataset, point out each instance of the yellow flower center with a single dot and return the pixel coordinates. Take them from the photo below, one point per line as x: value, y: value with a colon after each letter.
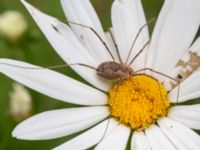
x: 138, y: 101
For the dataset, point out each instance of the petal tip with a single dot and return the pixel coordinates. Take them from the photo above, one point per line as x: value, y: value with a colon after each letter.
x: 14, y: 133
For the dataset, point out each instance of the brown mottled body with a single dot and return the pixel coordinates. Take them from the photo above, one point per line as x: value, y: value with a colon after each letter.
x: 114, y: 71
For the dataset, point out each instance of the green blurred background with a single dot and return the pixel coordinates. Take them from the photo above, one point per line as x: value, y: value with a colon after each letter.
x: 34, y: 48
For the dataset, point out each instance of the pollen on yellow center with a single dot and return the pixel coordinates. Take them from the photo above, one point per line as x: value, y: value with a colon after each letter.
x: 138, y: 101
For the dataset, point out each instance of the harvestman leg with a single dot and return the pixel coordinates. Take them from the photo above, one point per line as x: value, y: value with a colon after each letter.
x: 140, y: 52
x: 53, y: 67
x: 98, y: 36
x: 136, y: 37
x: 116, y: 46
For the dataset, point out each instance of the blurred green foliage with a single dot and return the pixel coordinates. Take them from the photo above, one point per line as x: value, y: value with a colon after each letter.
x: 34, y: 48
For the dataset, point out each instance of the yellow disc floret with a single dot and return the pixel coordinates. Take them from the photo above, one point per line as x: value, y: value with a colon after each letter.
x: 138, y: 101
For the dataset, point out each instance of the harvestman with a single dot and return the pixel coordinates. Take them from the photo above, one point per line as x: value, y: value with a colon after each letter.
x: 112, y: 70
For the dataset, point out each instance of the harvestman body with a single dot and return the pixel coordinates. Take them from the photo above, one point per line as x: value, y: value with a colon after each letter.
x: 114, y: 71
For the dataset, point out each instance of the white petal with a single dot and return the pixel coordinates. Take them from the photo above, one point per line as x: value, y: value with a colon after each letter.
x: 67, y: 46
x: 186, y: 66
x: 188, y: 63
x: 189, y: 89
x: 158, y: 140
x: 127, y: 18
x: 116, y: 140
x: 181, y: 136
x: 82, y: 12
x: 139, y: 141
x: 51, y: 83
x: 174, y: 32
x: 89, y: 138
x: 195, y: 107
x: 187, y: 116
x: 58, y: 123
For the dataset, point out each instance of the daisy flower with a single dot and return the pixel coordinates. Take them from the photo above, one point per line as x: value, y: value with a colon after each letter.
x: 142, y: 107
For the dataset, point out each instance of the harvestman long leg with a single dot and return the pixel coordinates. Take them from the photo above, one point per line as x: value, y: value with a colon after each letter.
x: 140, y: 52
x: 136, y: 38
x: 98, y: 36
x: 53, y: 67
x: 116, y: 46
